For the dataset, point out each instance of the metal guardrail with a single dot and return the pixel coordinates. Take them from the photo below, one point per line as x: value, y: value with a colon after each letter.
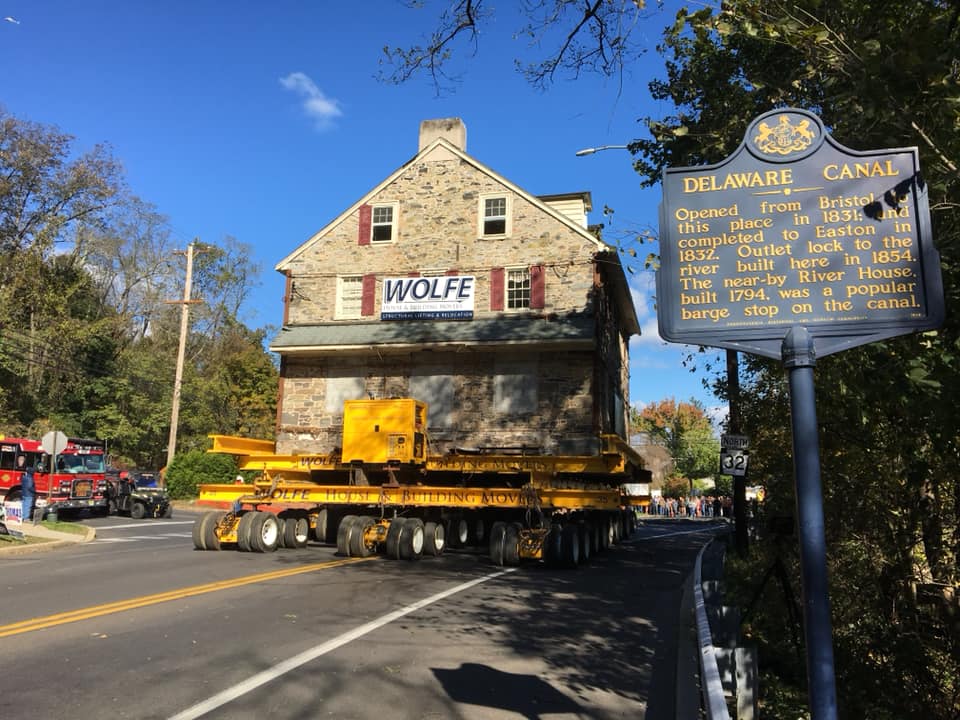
x: 714, y: 703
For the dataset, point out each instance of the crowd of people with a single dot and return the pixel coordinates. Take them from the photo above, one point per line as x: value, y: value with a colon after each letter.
x: 704, y: 506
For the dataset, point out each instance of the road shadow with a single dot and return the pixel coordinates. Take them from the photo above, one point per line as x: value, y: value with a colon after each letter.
x: 526, y: 695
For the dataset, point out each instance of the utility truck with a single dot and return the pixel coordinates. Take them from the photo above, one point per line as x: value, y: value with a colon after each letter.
x: 384, y: 492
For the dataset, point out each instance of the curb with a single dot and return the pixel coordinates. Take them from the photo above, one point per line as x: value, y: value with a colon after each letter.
x: 56, y: 540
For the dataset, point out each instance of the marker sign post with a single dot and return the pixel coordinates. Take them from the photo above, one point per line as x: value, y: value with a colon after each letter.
x: 796, y: 246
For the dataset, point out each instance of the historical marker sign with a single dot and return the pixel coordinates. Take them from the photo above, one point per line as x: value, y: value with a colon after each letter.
x: 795, y: 229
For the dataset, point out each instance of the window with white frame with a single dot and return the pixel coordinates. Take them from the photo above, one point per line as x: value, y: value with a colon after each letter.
x: 517, y: 288
x: 383, y: 223
x: 349, y: 296
x: 494, y: 215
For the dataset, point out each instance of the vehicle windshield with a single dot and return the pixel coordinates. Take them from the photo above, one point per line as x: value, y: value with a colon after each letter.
x: 80, y: 464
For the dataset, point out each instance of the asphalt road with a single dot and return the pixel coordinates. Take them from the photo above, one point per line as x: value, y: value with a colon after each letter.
x: 140, y: 625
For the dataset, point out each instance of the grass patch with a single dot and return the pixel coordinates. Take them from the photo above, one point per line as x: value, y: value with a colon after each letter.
x: 65, y: 527
x: 8, y: 540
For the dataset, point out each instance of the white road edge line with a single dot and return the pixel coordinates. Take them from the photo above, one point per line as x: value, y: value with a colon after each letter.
x: 261, y: 678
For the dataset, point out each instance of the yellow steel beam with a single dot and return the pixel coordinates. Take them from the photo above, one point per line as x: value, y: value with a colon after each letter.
x: 411, y: 495
x: 616, y: 458
x: 233, y: 445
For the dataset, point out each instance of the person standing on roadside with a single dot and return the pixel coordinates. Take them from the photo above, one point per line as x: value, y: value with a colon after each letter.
x: 27, y: 488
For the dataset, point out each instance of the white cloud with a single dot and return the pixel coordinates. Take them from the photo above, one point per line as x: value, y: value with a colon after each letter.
x: 318, y: 106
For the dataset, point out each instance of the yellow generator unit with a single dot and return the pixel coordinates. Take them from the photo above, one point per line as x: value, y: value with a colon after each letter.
x: 384, y: 431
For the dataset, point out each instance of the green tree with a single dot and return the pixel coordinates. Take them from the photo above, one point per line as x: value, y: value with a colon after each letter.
x: 685, y: 430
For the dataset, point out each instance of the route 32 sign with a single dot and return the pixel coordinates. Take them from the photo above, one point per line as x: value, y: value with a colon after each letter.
x: 734, y: 455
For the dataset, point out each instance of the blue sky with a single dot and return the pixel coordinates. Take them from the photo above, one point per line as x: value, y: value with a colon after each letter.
x: 264, y: 121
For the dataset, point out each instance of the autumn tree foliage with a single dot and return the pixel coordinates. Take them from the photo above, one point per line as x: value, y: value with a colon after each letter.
x: 686, y: 431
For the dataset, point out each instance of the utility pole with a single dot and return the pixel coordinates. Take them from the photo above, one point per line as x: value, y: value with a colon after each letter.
x: 181, y: 351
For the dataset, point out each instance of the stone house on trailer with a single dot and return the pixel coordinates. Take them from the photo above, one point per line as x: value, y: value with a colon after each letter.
x: 450, y: 284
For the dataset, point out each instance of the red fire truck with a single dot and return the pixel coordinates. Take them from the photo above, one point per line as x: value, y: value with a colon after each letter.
x: 77, y: 480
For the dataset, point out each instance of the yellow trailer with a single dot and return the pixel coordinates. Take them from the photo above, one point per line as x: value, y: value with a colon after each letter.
x: 384, y: 492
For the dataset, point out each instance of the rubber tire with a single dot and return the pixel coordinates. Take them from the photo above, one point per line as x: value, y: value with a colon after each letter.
x: 457, y: 533
x: 434, y: 539
x: 359, y: 548
x: 498, y: 541
x: 199, y: 532
x: 344, y: 531
x: 586, y: 542
x: 138, y: 510
x: 412, y: 539
x: 597, y: 531
x: 478, y: 531
x: 551, y: 546
x: 511, y: 545
x: 570, y: 546
x: 264, y: 532
x: 296, y: 531
x: 394, y: 533
x: 320, y: 529
x: 243, y: 531
x: 211, y: 541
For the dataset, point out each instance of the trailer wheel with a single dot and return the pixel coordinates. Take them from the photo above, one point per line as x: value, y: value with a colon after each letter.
x: 264, y: 532
x: 199, y: 529
x: 498, y: 541
x: 211, y: 541
x: 478, y: 531
x: 243, y: 532
x: 511, y: 544
x: 412, y: 539
x: 597, y: 527
x: 358, y: 544
x: 137, y: 510
x: 344, y: 531
x: 570, y: 546
x: 320, y: 529
x: 434, y: 538
x: 586, y: 542
x: 394, y: 532
x: 296, y: 531
x: 457, y: 532
x: 552, y: 546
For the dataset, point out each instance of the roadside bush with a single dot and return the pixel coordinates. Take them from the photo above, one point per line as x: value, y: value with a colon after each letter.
x: 191, y: 469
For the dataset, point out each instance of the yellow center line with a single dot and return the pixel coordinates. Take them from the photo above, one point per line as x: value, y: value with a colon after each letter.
x: 119, y: 606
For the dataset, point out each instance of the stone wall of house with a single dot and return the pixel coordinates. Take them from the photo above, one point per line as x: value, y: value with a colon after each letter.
x: 560, y: 421
x: 438, y: 230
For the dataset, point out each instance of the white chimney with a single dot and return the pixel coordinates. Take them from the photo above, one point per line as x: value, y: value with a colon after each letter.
x: 450, y: 129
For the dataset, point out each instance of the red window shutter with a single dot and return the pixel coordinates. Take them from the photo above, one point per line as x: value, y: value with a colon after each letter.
x: 368, y: 298
x: 452, y: 272
x: 537, y: 283
x: 496, y: 289
x: 366, y: 215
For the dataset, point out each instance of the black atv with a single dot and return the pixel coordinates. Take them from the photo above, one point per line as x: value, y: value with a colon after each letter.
x: 138, y: 499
